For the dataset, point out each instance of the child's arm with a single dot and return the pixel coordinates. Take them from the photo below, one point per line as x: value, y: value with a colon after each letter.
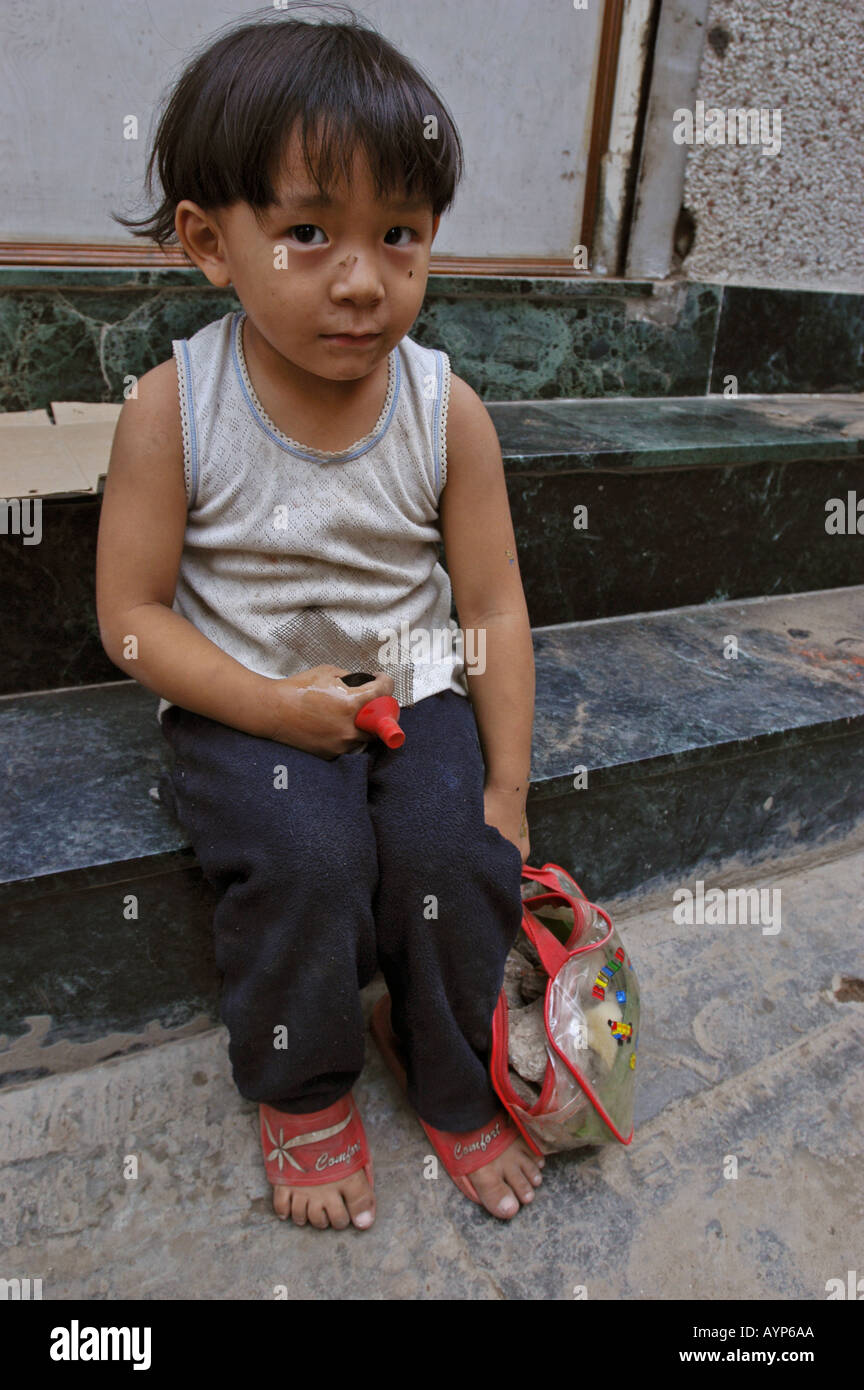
x: 480, y: 549
x: 141, y: 530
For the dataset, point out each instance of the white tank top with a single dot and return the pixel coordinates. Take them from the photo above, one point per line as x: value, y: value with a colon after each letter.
x: 295, y: 557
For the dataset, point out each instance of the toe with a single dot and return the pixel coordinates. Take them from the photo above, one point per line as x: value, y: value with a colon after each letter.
x: 299, y: 1207
x: 282, y: 1202
x: 520, y: 1183
x: 318, y: 1214
x: 337, y: 1213
x: 359, y: 1200
x: 530, y: 1169
x: 495, y: 1195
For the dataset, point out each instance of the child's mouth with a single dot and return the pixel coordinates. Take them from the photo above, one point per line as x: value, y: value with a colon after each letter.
x: 348, y: 340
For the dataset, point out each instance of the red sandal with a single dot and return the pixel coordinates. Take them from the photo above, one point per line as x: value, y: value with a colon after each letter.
x: 461, y: 1154
x: 318, y: 1147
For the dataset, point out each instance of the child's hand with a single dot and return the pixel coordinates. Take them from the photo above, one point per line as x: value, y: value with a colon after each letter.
x: 506, y: 811
x: 314, y: 711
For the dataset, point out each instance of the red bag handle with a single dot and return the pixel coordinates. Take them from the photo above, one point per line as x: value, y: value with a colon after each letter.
x: 578, y: 906
x: 548, y: 947
x: 550, y: 880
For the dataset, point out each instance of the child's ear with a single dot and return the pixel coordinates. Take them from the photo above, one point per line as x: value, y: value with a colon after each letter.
x: 435, y: 221
x: 200, y: 239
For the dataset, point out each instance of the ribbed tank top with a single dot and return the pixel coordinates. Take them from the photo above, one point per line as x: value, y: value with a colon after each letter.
x: 294, y: 557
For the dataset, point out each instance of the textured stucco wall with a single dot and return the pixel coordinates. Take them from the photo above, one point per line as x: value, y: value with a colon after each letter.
x: 795, y: 218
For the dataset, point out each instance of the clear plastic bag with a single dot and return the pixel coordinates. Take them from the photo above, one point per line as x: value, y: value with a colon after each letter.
x: 592, y: 1021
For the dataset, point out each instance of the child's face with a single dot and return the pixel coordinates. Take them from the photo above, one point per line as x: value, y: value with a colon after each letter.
x: 315, y: 271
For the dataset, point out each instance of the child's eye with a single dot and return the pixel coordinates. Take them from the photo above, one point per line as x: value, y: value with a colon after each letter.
x: 303, y: 232
x: 400, y: 229
x: 305, y: 227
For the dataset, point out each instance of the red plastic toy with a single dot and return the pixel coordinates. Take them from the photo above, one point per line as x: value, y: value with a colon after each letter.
x: 378, y: 716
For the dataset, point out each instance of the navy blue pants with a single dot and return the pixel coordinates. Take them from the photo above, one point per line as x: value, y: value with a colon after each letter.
x: 327, y: 869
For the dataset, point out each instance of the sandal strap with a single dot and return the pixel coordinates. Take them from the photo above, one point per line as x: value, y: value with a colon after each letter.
x: 465, y: 1153
x: 318, y: 1147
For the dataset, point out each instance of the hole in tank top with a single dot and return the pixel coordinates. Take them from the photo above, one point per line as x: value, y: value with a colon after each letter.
x: 295, y: 445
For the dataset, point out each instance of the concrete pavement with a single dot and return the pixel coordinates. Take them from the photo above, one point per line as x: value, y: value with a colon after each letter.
x: 751, y: 1057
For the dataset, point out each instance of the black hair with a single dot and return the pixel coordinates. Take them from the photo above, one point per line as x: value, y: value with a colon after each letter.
x: 223, y: 130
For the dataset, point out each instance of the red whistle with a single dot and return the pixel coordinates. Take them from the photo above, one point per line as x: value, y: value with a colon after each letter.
x: 378, y: 716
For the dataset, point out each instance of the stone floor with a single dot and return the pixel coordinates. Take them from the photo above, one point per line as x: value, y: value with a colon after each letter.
x: 752, y: 1049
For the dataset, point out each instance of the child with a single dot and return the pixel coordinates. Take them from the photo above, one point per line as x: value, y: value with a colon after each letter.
x: 296, y: 496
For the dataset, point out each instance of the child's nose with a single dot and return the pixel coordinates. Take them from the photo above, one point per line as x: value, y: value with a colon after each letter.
x: 362, y: 273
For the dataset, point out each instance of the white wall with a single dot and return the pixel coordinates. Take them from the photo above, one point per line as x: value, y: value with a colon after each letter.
x: 517, y: 77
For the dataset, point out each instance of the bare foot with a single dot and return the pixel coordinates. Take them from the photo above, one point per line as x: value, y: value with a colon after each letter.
x: 334, y: 1204
x: 508, y: 1180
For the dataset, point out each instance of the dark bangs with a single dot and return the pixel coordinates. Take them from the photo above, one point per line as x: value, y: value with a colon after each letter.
x: 223, y: 132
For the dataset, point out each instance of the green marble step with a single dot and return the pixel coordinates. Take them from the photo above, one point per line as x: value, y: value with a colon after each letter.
x: 685, y: 501
x: 628, y: 505
x: 681, y: 432
x: 656, y: 753
x: 70, y: 333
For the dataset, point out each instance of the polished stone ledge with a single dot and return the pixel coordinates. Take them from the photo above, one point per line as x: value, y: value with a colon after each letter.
x: 683, y: 432
x: 646, y: 697
x: 74, y: 333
